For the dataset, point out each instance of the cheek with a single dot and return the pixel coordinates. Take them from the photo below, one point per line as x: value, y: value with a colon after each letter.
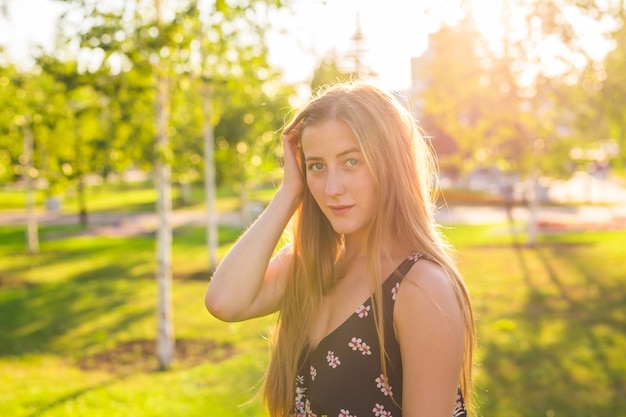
x: 312, y: 184
x: 316, y: 188
x: 368, y: 189
x: 365, y: 182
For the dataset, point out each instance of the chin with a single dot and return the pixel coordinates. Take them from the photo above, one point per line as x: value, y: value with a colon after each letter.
x: 344, y: 229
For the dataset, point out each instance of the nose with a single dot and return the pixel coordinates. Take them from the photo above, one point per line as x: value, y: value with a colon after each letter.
x: 334, y: 183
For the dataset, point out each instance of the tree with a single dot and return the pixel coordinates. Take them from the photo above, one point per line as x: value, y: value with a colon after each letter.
x: 546, y: 38
x: 245, y: 136
x: 246, y: 90
x: 162, y: 170
x: 607, y: 86
x: 83, y: 105
x: 17, y: 145
x: 328, y: 72
x: 32, y: 236
x: 25, y: 134
x: 502, y: 101
x: 156, y: 55
x: 11, y: 118
x: 452, y: 101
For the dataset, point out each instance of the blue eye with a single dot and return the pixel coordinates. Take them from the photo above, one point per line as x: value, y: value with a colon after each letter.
x: 352, y: 162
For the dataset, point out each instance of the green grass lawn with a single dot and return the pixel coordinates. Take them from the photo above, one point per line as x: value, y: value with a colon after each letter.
x: 128, y: 198
x: 84, y: 296
x: 76, y: 320
x: 551, y: 323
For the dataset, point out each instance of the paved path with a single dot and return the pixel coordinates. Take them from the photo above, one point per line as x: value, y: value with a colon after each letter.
x: 138, y: 223
x: 120, y: 224
x: 554, y: 214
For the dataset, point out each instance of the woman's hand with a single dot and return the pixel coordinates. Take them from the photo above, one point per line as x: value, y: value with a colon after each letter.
x: 249, y: 282
x: 293, y: 175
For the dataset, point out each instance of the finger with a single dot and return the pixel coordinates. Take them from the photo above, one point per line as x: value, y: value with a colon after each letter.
x: 293, y: 132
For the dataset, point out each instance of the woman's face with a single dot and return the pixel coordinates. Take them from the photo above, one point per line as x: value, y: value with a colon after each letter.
x: 338, y: 177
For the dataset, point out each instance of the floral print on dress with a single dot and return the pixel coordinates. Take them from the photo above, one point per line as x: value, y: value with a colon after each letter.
x: 345, y: 413
x: 362, y: 311
x: 300, y: 400
x: 358, y: 344
x: 385, y: 388
x: 313, y: 373
x: 394, y: 291
x: 416, y: 257
x: 459, y: 407
x: 306, y: 412
x: 379, y: 411
x: 333, y: 361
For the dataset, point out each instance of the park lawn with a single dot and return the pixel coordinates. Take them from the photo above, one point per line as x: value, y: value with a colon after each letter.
x: 84, y: 296
x: 130, y: 198
x: 550, y: 320
x: 105, y: 197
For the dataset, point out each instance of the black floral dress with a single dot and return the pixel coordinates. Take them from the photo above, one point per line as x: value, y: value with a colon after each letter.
x: 342, y: 376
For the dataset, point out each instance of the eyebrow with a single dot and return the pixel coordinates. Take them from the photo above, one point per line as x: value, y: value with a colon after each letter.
x: 339, y: 155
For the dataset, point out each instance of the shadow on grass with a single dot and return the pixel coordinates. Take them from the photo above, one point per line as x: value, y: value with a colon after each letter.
x: 560, y: 354
x: 139, y: 356
x: 63, y: 251
x: 51, y: 405
x: 37, y: 318
x: 80, y: 293
x: 515, y: 243
x: 71, y: 247
x: 196, y: 236
x: 602, y: 306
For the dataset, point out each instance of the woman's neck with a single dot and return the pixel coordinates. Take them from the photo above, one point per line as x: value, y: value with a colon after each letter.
x: 356, y: 249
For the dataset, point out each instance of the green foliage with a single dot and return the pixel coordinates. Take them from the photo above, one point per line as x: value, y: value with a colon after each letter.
x: 328, y: 72
x: 10, y: 116
x: 101, y: 107
x: 609, y: 98
x: 508, y: 103
x: 454, y: 104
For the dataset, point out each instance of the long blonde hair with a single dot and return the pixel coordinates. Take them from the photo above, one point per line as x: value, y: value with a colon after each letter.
x: 403, y: 169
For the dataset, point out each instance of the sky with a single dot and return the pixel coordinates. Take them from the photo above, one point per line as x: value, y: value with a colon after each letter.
x: 394, y: 31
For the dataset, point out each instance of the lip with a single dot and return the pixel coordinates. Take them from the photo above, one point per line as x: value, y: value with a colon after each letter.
x: 340, y: 209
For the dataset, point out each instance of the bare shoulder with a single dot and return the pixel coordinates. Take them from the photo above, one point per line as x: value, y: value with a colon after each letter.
x: 429, y: 277
x: 426, y: 288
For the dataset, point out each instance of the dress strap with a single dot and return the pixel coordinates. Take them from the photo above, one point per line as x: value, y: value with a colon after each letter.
x: 406, y: 265
x: 403, y: 269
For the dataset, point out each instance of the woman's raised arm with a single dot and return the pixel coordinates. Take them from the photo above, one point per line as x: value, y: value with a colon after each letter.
x: 249, y: 282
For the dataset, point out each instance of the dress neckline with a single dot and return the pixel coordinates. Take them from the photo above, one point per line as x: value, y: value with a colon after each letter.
x: 399, y: 272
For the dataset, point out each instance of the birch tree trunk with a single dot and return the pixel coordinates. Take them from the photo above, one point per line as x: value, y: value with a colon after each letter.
x: 32, y: 234
x: 533, y: 208
x: 80, y: 172
x: 165, y: 327
x: 209, y: 176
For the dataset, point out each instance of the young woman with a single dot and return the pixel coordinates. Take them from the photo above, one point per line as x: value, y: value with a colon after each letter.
x: 374, y: 317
